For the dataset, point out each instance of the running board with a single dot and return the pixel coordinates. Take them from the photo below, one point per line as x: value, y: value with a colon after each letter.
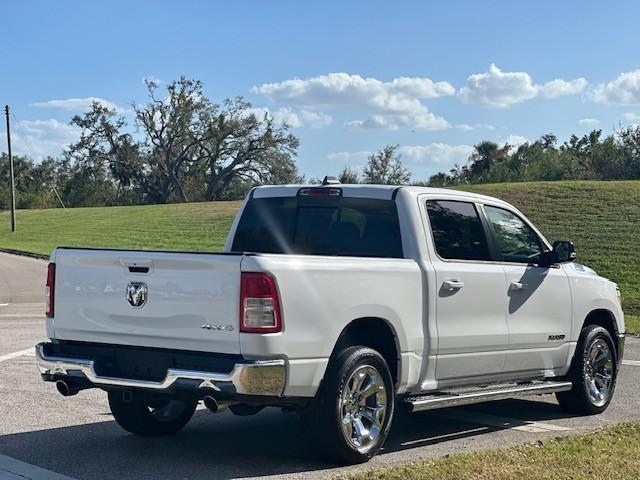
x: 466, y: 397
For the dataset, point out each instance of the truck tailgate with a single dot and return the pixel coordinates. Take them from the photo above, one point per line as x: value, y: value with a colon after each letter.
x: 184, y: 301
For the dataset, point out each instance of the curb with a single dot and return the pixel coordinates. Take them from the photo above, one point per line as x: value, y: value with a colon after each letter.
x: 22, y: 253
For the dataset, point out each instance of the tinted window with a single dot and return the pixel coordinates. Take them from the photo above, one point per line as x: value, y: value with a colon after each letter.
x: 323, y: 226
x: 517, y: 242
x: 457, y: 230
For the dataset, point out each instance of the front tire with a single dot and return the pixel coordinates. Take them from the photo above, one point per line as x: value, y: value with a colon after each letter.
x: 593, y: 373
x: 350, y: 417
x: 151, y: 418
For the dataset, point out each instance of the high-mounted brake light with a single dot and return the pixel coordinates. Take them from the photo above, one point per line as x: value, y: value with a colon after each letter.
x: 319, y: 192
x: 50, y: 289
x: 259, y: 304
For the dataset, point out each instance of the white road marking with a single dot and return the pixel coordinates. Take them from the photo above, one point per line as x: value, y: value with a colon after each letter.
x: 10, y: 468
x: 501, y: 422
x: 21, y: 353
x: 633, y: 363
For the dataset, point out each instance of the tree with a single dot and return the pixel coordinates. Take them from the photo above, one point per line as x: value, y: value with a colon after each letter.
x: 186, y: 147
x: 385, y: 168
x: 348, y: 175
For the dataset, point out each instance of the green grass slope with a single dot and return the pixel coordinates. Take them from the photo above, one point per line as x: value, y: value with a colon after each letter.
x: 191, y: 226
x: 602, y: 218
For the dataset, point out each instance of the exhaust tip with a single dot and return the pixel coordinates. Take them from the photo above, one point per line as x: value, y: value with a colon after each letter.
x: 65, y: 389
x: 211, y: 404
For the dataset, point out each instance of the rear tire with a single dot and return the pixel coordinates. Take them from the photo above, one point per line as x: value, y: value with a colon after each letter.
x: 151, y: 418
x: 350, y: 417
x: 593, y: 373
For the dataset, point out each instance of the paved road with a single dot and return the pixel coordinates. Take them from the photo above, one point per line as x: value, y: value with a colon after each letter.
x: 77, y: 437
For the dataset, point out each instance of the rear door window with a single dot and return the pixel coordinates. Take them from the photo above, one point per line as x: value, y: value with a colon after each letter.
x: 457, y: 230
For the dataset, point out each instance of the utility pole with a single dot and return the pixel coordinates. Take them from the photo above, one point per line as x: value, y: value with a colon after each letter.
x: 13, y: 186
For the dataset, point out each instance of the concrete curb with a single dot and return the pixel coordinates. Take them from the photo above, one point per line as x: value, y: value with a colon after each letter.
x: 21, y: 253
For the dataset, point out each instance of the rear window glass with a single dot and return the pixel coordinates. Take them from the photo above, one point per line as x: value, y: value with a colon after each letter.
x: 359, y: 227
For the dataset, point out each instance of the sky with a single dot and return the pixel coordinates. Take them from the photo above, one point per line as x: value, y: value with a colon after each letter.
x: 348, y: 77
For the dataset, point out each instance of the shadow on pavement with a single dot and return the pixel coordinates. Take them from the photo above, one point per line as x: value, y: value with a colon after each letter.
x: 222, y: 446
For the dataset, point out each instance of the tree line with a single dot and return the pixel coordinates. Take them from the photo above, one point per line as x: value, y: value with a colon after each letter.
x: 180, y: 146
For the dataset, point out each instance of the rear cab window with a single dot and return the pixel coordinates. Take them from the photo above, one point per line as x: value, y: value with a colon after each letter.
x: 336, y: 226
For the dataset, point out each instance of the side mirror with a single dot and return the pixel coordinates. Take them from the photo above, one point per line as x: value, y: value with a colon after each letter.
x: 563, y: 251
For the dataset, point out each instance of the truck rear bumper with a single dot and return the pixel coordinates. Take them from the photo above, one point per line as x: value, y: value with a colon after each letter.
x: 259, y: 377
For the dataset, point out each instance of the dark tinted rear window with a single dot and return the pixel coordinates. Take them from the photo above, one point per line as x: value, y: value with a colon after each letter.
x: 457, y: 230
x: 358, y: 227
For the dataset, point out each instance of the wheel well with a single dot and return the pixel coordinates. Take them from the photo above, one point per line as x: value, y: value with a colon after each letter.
x: 374, y: 333
x: 606, y: 320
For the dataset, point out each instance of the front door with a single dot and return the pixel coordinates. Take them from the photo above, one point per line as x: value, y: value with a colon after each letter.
x: 470, y: 304
x: 539, y: 298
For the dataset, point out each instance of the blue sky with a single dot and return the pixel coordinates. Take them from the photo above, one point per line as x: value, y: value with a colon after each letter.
x: 351, y: 77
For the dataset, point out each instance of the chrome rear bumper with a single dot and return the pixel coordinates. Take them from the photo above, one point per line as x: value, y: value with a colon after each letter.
x: 260, y: 377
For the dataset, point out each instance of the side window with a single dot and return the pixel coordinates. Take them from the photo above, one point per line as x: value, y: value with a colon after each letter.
x: 517, y: 242
x: 457, y: 230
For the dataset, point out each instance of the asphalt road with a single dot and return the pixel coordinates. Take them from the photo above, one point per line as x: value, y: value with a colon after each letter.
x: 42, y: 432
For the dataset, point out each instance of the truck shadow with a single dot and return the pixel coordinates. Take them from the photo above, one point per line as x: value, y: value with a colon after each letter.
x: 223, y: 446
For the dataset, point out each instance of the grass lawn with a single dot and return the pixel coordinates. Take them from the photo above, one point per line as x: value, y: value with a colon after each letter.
x: 610, y: 453
x: 602, y: 218
x: 191, y: 226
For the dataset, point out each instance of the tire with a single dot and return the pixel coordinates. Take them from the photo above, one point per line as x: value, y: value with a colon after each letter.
x: 593, y: 382
x: 358, y: 388
x: 152, y: 419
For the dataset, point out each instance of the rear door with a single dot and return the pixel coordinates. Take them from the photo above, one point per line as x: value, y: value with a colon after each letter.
x: 539, y: 298
x: 184, y: 301
x: 470, y: 305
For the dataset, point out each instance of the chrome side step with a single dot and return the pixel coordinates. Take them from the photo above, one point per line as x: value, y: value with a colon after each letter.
x: 466, y: 397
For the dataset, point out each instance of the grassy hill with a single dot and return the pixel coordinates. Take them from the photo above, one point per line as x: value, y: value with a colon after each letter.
x: 602, y: 218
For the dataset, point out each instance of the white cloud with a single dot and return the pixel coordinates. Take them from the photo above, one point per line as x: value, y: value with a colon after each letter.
x: 589, y: 122
x: 441, y: 154
x: 315, y: 119
x: 75, y: 103
x: 465, y: 127
x: 496, y: 88
x: 559, y: 87
x: 624, y: 90
x: 344, y: 157
x: 422, y: 121
x: 41, y: 138
x: 632, y: 116
x: 292, y: 118
x: 391, y: 105
x: 514, y: 140
x: 436, y: 155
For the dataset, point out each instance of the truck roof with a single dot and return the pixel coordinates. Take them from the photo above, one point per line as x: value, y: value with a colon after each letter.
x: 383, y: 192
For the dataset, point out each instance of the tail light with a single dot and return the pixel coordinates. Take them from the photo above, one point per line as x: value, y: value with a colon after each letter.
x: 259, y: 304
x: 50, y: 289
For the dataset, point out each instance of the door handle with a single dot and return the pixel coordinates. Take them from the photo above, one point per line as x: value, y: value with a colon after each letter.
x: 518, y: 286
x: 452, y: 285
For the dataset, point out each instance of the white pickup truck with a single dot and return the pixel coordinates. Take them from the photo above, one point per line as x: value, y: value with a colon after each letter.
x: 341, y: 302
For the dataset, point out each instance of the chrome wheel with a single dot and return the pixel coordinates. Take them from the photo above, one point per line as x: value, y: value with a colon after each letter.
x: 363, y: 407
x: 598, y: 372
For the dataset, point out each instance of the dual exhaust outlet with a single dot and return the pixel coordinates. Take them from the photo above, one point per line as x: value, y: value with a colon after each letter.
x: 67, y: 390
